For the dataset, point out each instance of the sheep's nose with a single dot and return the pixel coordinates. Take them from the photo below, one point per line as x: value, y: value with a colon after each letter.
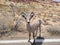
x: 28, y: 22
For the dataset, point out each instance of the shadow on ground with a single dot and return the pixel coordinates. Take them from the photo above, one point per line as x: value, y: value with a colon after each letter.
x: 38, y: 43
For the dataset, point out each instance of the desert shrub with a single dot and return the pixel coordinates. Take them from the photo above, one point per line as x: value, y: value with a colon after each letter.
x: 24, y: 6
x: 54, y: 30
x: 45, y: 22
x: 55, y: 19
x: 7, y: 18
x: 20, y: 25
x: 6, y: 23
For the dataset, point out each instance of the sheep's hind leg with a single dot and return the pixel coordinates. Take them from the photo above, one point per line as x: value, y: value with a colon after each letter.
x: 39, y: 28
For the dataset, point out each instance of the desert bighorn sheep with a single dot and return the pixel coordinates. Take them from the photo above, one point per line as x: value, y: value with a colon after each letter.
x: 33, y: 27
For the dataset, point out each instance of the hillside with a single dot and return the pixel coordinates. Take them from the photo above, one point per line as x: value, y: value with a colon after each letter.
x: 46, y: 10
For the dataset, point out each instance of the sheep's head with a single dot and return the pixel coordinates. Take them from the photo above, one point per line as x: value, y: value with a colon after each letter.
x: 27, y: 16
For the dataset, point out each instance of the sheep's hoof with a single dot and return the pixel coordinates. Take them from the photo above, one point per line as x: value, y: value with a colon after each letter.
x: 40, y: 38
x: 28, y: 40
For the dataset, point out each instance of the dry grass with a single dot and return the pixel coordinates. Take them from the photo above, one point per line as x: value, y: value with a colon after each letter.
x: 6, y: 23
x: 54, y: 30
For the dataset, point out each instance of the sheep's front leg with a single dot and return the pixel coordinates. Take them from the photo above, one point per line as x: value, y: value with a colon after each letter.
x: 34, y: 36
x: 29, y: 36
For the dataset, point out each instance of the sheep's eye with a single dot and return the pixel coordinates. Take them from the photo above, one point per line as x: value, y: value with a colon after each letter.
x: 23, y: 15
x: 32, y: 16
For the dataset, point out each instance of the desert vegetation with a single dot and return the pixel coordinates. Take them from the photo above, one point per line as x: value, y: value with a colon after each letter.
x: 54, y: 30
x: 12, y: 22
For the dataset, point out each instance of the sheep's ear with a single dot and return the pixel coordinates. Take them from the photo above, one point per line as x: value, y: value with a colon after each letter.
x: 23, y: 15
x: 32, y: 14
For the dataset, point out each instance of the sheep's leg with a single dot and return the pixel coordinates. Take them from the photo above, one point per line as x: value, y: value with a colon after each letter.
x: 29, y: 36
x: 39, y: 31
x: 39, y: 28
x: 34, y: 36
x: 36, y: 33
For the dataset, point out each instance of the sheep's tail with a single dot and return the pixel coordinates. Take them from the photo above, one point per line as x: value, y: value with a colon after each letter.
x: 42, y: 21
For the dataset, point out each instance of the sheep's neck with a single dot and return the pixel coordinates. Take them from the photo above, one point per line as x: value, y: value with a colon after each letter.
x: 28, y: 26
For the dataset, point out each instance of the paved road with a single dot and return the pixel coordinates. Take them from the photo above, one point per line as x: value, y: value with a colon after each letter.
x: 24, y: 42
x: 53, y: 43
